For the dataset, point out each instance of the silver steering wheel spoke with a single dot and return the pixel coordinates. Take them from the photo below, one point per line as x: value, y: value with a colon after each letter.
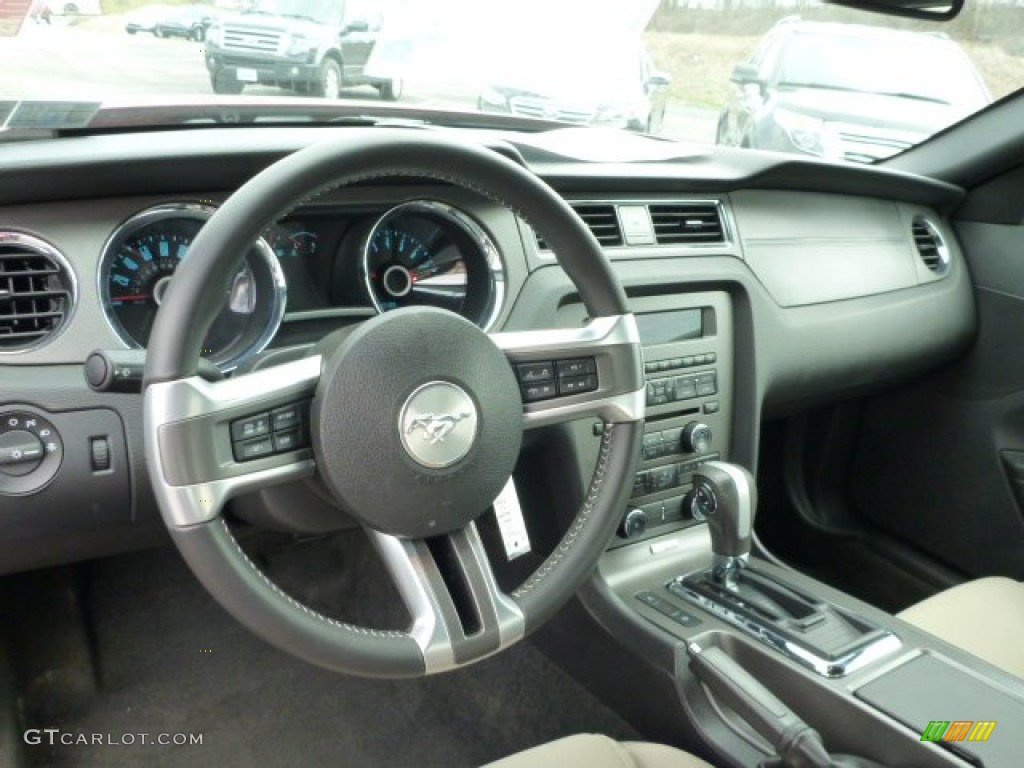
x: 566, y: 374
x: 459, y: 614
x: 210, y: 441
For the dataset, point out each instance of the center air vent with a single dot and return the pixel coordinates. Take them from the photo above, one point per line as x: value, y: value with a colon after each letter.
x: 37, y: 291
x: 696, y: 223
x: 600, y: 219
x: 930, y: 245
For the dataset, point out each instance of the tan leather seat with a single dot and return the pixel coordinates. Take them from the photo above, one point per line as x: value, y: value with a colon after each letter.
x: 595, y: 751
x: 984, y: 617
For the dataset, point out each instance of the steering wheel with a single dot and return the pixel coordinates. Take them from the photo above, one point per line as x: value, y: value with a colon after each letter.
x: 370, y: 393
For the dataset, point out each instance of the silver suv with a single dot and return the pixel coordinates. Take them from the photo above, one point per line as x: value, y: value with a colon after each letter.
x: 311, y: 46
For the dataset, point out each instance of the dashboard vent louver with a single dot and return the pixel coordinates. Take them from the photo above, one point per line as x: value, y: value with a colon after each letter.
x: 930, y: 246
x: 36, y: 291
x: 687, y: 223
x: 601, y: 219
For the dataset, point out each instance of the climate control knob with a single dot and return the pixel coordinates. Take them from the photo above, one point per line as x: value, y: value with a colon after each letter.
x: 633, y: 524
x: 696, y: 437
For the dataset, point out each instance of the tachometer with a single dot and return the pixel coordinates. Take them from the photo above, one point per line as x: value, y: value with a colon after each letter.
x: 138, y: 266
x: 428, y: 253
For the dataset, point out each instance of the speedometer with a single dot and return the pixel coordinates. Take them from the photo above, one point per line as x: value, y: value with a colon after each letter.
x: 138, y: 266
x: 428, y: 253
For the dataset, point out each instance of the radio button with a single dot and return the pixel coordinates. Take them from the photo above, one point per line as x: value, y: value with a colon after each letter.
x: 653, y: 445
x: 640, y: 484
x: 539, y: 391
x: 685, y: 387
x: 707, y: 384
x: 577, y: 384
x: 578, y: 367
x: 661, y: 478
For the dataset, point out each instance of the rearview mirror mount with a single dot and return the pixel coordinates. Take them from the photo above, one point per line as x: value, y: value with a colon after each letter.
x: 929, y: 10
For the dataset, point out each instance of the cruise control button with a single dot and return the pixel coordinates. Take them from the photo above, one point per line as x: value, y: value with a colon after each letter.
x: 251, y: 426
x: 254, y: 449
x: 286, y: 441
x: 286, y: 418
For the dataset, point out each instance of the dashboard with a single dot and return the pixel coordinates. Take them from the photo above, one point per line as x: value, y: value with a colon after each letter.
x: 761, y: 285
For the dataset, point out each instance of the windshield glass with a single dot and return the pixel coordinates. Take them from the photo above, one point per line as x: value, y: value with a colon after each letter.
x: 830, y: 81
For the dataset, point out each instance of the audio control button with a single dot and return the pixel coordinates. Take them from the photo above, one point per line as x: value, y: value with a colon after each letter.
x: 529, y: 373
x: 685, y: 387
x: 707, y: 384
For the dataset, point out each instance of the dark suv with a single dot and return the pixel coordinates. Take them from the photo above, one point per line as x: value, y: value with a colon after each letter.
x: 848, y: 91
x: 311, y: 46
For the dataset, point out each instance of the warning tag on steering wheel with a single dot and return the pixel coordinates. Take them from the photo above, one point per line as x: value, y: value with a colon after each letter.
x: 510, y: 522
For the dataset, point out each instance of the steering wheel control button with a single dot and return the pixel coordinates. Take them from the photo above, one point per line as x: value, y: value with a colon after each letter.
x: 528, y: 373
x: 250, y: 426
x: 576, y: 385
x: 438, y: 424
x: 31, y: 452
x: 254, y: 449
x: 541, y: 391
x: 264, y: 434
x: 558, y: 378
x: 578, y: 367
x: 286, y: 418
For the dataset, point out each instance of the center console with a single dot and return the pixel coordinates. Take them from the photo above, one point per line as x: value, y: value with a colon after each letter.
x: 688, y: 366
x: 680, y: 585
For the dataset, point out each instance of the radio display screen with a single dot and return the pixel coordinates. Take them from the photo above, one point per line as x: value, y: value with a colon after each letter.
x: 670, y: 327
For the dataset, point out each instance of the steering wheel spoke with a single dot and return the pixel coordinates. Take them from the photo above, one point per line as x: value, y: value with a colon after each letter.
x: 569, y: 374
x: 209, y: 441
x: 459, y: 614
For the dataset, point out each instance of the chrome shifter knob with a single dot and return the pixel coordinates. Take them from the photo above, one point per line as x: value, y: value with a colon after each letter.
x: 725, y: 496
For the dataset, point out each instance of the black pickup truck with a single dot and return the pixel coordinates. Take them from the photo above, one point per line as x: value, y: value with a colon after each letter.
x: 311, y: 46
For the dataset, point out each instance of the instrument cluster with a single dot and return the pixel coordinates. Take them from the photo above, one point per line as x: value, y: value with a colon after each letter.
x: 417, y: 253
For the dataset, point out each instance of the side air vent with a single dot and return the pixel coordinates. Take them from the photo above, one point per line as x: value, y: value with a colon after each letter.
x: 930, y: 246
x: 687, y: 223
x: 601, y: 219
x: 37, y: 291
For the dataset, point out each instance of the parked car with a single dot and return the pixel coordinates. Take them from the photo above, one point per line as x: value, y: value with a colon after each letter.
x: 848, y: 91
x: 312, y: 46
x: 145, y: 19
x: 188, y: 21
x: 607, y: 84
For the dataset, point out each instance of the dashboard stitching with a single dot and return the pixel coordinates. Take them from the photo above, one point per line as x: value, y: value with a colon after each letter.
x: 582, y: 519
x: 309, y: 611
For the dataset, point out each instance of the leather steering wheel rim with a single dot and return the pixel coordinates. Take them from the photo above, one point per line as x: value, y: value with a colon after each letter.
x: 202, y: 535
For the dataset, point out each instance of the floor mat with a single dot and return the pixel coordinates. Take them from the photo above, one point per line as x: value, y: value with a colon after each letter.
x: 173, y: 665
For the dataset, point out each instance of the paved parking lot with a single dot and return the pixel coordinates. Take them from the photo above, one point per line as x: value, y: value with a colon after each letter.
x: 106, y: 63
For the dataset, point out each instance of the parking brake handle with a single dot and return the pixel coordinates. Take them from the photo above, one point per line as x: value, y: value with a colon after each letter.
x: 795, y: 742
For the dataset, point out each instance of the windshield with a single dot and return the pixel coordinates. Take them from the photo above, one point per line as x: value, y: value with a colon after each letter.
x: 830, y: 81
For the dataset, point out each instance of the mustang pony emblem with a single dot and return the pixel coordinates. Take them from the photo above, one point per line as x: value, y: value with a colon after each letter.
x: 435, y: 427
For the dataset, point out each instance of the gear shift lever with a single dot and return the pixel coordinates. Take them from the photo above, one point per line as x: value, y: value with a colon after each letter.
x: 725, y: 496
